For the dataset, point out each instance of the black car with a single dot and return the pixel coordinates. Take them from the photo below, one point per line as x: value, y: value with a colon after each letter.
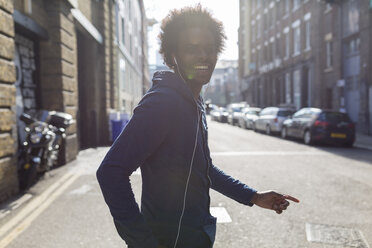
x: 316, y: 125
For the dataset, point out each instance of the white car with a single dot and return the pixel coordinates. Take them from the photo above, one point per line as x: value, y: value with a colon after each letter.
x: 271, y: 119
x: 247, y: 117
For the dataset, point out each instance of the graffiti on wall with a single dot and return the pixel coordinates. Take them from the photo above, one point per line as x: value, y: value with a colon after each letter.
x: 26, y: 67
x: 25, y: 63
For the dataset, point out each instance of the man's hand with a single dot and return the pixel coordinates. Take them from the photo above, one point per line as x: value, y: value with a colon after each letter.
x: 272, y: 200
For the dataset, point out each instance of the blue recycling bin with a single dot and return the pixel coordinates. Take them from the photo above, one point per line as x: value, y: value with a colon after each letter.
x: 117, y: 126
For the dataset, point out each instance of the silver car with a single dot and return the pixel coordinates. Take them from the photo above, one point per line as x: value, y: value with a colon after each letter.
x: 234, y: 109
x: 271, y: 119
x: 247, y: 117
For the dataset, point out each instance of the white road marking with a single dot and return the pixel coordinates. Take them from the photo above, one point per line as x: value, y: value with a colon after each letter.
x: 25, y: 217
x: 335, y: 235
x: 267, y: 153
x: 81, y: 190
x: 221, y: 214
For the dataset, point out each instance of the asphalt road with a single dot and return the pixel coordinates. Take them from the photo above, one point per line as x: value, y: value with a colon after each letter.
x: 334, y: 184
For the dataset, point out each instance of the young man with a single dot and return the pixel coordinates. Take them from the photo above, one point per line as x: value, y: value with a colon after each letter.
x: 167, y: 138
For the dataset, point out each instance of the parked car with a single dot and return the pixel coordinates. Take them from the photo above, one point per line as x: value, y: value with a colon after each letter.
x: 219, y: 114
x: 248, y: 117
x: 209, y: 107
x: 271, y: 119
x: 234, y: 110
x: 317, y: 125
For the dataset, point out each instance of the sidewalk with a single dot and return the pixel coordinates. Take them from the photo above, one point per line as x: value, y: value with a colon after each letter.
x: 363, y: 141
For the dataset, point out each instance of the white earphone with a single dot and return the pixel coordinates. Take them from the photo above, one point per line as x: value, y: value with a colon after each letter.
x: 191, y: 163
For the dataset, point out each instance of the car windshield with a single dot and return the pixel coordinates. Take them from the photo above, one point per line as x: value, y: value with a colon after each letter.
x: 334, y: 117
x: 284, y: 113
x: 253, y: 112
x: 236, y: 109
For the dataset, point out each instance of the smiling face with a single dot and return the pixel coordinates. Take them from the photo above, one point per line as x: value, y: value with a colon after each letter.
x: 196, y: 56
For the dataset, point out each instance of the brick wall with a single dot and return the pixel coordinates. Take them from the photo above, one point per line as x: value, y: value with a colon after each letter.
x: 8, y: 145
x: 58, y: 73
x: 58, y: 61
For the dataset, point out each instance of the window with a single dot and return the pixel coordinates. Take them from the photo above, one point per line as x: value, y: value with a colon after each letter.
x: 351, y: 16
x: 259, y: 27
x: 278, y: 48
x: 352, y: 47
x: 328, y: 8
x: 307, y: 35
x: 265, y: 21
x: 122, y: 30
x: 329, y: 54
x: 131, y: 44
x: 260, y: 57
x: 296, y: 4
x: 288, y: 95
x: 253, y: 31
x: 266, y: 57
x: 117, y: 28
x: 287, y: 47
x: 297, y: 88
x: 129, y: 10
x: 296, y: 40
x: 253, y: 7
x: 286, y: 7
x: 122, y: 72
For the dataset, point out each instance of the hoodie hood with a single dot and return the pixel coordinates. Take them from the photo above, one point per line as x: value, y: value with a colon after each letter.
x: 172, y: 80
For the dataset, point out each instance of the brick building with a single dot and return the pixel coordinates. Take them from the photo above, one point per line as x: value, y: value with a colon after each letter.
x: 60, y: 55
x: 223, y: 87
x: 307, y: 53
x: 131, y: 53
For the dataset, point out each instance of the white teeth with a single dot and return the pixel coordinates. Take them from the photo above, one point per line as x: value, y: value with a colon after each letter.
x: 201, y: 67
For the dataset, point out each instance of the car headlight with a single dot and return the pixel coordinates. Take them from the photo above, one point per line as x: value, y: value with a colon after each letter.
x: 35, y: 138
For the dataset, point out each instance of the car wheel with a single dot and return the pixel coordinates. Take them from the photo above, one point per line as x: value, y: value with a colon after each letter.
x: 268, y: 130
x: 284, y: 133
x: 243, y: 124
x: 349, y: 144
x: 254, y: 127
x: 307, y: 138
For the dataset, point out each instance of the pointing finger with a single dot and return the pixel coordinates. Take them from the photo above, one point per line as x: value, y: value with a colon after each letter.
x: 288, y: 197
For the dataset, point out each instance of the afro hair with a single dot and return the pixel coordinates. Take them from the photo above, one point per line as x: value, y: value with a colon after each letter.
x: 188, y: 17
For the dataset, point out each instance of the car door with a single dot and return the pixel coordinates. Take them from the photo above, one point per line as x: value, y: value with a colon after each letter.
x: 261, y: 119
x: 296, y: 123
x: 305, y: 122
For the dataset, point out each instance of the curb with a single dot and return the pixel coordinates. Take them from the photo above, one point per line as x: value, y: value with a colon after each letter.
x: 363, y: 147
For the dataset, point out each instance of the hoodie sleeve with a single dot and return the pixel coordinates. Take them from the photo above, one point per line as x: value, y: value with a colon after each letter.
x: 230, y: 187
x: 146, y: 130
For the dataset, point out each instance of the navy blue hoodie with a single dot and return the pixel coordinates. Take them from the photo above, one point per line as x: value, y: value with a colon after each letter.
x: 160, y: 139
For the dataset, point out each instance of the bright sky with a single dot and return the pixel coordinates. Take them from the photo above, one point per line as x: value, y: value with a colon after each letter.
x: 225, y: 11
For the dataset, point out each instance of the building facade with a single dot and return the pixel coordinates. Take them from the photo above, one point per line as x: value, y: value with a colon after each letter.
x: 307, y: 53
x: 55, y: 55
x: 223, y: 87
x: 131, y: 51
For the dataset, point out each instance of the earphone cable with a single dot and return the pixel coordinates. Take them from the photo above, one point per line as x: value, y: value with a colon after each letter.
x: 190, y: 170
